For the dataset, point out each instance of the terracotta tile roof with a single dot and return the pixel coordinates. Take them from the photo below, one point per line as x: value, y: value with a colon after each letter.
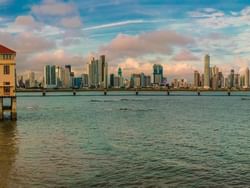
x: 5, y: 50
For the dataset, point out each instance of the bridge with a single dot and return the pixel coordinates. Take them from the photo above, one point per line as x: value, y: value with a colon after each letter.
x: 136, y: 91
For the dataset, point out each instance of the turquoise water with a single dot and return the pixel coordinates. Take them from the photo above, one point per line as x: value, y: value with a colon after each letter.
x: 150, y: 140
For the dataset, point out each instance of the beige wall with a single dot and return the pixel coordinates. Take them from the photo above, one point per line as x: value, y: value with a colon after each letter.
x: 7, y: 78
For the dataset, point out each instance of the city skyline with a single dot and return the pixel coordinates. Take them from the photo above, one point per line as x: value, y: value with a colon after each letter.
x: 98, y: 76
x: 133, y: 34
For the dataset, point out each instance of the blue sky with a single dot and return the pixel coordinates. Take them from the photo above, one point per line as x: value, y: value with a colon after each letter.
x: 133, y: 34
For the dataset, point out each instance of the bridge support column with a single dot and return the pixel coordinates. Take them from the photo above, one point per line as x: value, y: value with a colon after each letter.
x: 13, y: 109
x: 105, y: 92
x: 1, y: 109
x: 44, y: 92
x: 168, y: 93
x: 198, y: 93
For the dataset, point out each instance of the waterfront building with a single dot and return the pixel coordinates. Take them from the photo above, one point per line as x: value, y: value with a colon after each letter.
x: 112, y: 80
x: 98, y: 72
x: 231, y: 79
x: 135, y: 81
x: 207, y: 72
x: 237, y: 80
x: 147, y: 81
x: 20, y: 82
x: 143, y: 80
x: 85, y: 80
x: 246, y: 85
x: 196, y: 82
x: 32, y: 80
x: 242, y: 81
x: 157, y: 74
x: 220, y: 80
x: 50, y: 80
x: 77, y: 82
x: 7, y: 80
x: 117, y: 82
x: 121, y: 79
x: 67, y: 83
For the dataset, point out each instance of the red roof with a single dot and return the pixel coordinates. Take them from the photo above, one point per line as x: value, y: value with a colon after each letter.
x: 5, y: 50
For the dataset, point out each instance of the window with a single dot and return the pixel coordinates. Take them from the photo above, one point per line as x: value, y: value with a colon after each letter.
x: 6, y: 69
x: 6, y: 90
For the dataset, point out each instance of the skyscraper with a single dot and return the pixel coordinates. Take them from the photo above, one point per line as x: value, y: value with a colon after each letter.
x: 207, y: 72
x: 112, y: 80
x: 50, y: 76
x: 31, y: 79
x: 98, y: 72
x: 158, y: 74
x: 196, y: 79
x: 246, y: 78
x: 231, y: 79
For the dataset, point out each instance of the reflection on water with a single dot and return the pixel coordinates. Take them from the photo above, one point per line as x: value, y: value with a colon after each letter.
x: 8, y: 151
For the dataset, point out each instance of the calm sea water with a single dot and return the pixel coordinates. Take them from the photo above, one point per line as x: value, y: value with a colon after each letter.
x: 127, y: 141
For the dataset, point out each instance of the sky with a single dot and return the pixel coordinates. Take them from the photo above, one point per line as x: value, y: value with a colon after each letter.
x: 133, y: 34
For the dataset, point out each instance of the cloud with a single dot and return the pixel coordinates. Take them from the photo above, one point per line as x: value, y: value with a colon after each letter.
x: 217, y: 19
x: 171, y: 69
x: 72, y: 22
x: 185, y: 55
x: 27, y: 22
x: 53, y: 8
x: 55, y: 57
x: 118, y: 24
x: 156, y: 42
x: 26, y: 42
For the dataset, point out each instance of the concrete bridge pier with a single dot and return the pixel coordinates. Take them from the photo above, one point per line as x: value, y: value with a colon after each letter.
x: 136, y: 92
x: 198, y: 92
x: 44, y: 92
x: 13, y: 109
x: 1, y: 109
x: 10, y: 108
x: 168, y: 93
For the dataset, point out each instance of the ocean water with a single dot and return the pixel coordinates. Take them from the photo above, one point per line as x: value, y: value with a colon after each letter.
x: 123, y: 140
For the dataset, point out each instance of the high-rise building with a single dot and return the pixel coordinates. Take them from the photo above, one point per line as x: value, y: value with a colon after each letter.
x: 112, y: 80
x: 196, y: 79
x: 67, y: 77
x: 121, y: 80
x: 50, y: 76
x: 207, y: 72
x: 31, y: 78
x: 237, y: 80
x: 147, y: 81
x: 246, y: 85
x: 135, y: 81
x: 158, y: 74
x: 98, y: 72
x: 231, y: 79
x: 85, y: 81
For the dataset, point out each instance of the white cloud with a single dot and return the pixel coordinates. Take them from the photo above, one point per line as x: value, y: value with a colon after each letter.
x: 72, y: 22
x: 117, y: 24
x: 53, y: 8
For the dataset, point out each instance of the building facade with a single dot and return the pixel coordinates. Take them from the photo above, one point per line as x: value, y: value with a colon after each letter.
x: 7, y: 71
x: 207, y: 72
x: 157, y: 74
